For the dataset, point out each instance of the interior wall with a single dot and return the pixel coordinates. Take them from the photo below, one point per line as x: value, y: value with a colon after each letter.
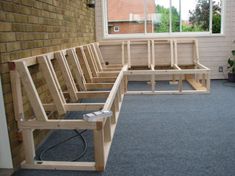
x: 213, y: 50
x: 33, y: 27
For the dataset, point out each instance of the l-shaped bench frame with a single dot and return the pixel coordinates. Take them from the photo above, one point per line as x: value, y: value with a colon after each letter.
x: 103, y: 130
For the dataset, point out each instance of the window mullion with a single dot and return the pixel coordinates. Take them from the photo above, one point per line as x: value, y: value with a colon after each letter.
x: 211, y: 17
x: 170, y: 16
x: 145, y: 17
x: 180, y: 15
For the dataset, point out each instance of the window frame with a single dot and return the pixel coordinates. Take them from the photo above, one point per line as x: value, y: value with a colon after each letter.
x: 162, y: 35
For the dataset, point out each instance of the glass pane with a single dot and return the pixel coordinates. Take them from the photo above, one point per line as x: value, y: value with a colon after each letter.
x: 216, y: 18
x: 126, y: 16
x: 195, y: 15
x: 158, y: 16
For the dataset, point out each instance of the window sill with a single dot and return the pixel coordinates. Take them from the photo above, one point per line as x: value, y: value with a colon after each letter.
x: 157, y: 36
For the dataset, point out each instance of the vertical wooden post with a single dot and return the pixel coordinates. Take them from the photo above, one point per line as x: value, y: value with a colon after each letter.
x: 17, y: 95
x: 99, y: 149
x: 29, y: 148
x: 153, y: 53
x: 125, y: 84
x: 114, y: 119
x: 129, y: 53
x: 196, y: 51
x: 107, y: 130
x: 149, y: 54
x: 123, y: 53
x: 116, y: 102
x: 204, y: 80
x: 180, y: 86
x: 176, y: 52
x: 172, y: 53
x: 208, y: 82
x: 153, y: 82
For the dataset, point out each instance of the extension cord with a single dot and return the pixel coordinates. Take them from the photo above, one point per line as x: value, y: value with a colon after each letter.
x: 98, y: 115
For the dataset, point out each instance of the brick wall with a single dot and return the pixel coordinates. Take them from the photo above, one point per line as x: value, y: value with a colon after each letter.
x: 32, y: 27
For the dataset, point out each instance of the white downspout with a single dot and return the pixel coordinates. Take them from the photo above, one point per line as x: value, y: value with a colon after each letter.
x: 5, y: 151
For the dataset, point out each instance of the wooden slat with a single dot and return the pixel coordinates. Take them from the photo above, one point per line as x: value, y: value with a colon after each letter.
x: 83, y: 61
x: 104, y: 80
x: 60, y: 165
x: 109, y: 74
x: 93, y: 94
x: 99, y: 54
x: 59, y: 124
x: 78, y: 73
x: 67, y: 75
x: 53, y: 84
x: 88, y: 57
x: 195, y: 85
x: 94, y: 86
x: 96, y: 56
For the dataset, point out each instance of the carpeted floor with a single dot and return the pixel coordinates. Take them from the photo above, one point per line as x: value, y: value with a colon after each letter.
x: 170, y: 135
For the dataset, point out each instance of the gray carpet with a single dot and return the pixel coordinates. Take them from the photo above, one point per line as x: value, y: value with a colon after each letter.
x: 170, y: 135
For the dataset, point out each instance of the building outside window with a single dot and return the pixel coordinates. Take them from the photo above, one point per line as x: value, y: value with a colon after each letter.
x: 164, y: 16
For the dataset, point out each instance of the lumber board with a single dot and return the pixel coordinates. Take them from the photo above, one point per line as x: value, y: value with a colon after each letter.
x: 31, y: 91
x: 17, y: 95
x: 93, y: 94
x: 78, y: 73
x: 60, y: 165
x: 93, y: 86
x: 58, y: 124
x: 195, y: 85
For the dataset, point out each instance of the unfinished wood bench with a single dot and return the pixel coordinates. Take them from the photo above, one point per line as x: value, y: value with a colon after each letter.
x: 81, y: 73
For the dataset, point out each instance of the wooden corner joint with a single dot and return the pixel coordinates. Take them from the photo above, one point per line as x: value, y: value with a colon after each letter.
x: 12, y: 66
x: 99, y: 125
x: 100, y: 168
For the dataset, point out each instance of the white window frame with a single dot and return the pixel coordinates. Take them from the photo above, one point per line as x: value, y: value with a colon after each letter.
x: 162, y: 35
x: 5, y: 151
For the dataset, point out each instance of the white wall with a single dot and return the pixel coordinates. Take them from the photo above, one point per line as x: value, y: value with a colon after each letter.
x: 214, y: 50
x: 5, y: 152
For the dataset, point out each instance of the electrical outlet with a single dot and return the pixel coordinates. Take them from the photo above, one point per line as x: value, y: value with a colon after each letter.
x: 221, y: 69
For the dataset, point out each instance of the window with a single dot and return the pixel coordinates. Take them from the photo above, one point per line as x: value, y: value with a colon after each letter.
x: 163, y: 16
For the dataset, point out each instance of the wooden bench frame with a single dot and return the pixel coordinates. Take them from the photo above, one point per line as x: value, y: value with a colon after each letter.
x: 103, y: 130
x: 79, y: 86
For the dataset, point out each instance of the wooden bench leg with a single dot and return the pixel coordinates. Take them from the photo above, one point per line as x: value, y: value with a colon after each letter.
x: 29, y: 148
x: 99, y: 149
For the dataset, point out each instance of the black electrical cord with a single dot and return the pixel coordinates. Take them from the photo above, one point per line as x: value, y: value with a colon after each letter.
x: 43, y: 152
